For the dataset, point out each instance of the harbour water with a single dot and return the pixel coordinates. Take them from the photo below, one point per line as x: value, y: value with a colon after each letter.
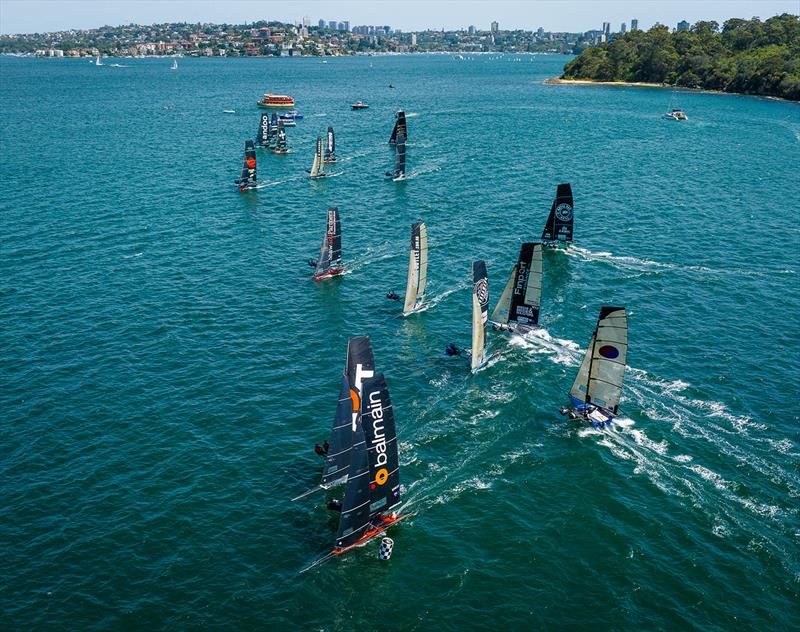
x: 168, y: 364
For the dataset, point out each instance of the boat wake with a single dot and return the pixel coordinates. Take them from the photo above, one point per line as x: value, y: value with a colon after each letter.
x: 631, y: 264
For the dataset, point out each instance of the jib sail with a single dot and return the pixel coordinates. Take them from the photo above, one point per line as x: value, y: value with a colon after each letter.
x: 399, y: 127
x: 337, y: 461
x: 559, y: 222
x: 373, y: 486
x: 263, y: 135
x: 330, y: 254
x: 400, y: 158
x: 318, y: 165
x: 519, y: 303
x: 600, y: 377
x: 330, y: 146
x: 248, y: 178
x: 480, y: 312
x: 417, y: 268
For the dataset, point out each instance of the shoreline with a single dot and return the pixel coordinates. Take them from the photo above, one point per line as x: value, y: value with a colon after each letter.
x: 641, y: 84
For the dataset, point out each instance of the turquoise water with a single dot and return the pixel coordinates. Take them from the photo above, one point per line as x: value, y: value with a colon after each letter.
x: 168, y: 364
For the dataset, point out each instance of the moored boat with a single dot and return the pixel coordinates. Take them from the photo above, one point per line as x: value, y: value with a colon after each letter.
x: 676, y: 115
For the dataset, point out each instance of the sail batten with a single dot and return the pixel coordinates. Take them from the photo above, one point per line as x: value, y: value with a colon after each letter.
x: 560, y: 221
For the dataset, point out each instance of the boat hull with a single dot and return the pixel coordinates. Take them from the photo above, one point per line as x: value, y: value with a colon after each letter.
x: 330, y: 273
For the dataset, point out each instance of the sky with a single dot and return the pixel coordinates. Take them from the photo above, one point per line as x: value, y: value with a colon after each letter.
x: 38, y: 16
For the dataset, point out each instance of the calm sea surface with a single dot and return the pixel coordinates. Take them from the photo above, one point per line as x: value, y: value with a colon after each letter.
x: 168, y: 364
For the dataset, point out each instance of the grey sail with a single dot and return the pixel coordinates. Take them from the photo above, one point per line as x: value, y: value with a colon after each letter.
x: 399, y: 127
x: 400, y: 158
x: 480, y: 313
x: 519, y: 303
x: 417, y: 268
x: 330, y: 254
x: 337, y: 461
x: 601, y: 375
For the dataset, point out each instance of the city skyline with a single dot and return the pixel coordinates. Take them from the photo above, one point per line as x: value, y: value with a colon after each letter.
x: 17, y: 16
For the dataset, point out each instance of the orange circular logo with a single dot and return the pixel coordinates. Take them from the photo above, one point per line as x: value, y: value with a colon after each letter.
x: 251, y: 163
x: 381, y: 476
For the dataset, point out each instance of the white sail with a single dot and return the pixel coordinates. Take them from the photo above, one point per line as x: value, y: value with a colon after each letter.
x: 602, y: 371
x: 97, y: 61
x: 318, y: 166
x: 478, y: 335
x: 417, y: 268
x: 501, y: 310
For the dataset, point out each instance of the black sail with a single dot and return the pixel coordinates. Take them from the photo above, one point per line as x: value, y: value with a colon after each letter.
x: 377, y: 420
x: 330, y: 146
x: 400, y: 157
x: 360, y: 363
x: 280, y: 139
x: 330, y: 254
x: 527, y: 290
x: 399, y: 127
x: 273, y: 128
x: 559, y: 222
x: 263, y: 135
x: 355, y: 518
x: 248, y: 178
x: 337, y: 461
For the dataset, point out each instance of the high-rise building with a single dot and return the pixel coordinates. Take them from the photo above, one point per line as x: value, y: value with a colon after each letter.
x: 495, y: 27
x: 623, y: 27
x: 683, y: 25
x: 321, y: 24
x: 606, y: 27
x: 540, y: 32
x: 634, y: 25
x: 347, y: 25
x: 340, y: 26
x: 332, y: 24
x: 471, y: 30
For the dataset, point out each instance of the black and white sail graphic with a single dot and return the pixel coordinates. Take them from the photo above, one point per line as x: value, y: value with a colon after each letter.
x: 330, y: 146
x: 601, y: 374
x: 399, y: 127
x: 273, y: 128
x: 337, y: 461
x: 559, y: 222
x: 480, y: 312
x: 373, y: 486
x: 247, y: 180
x: 520, y: 300
x: 400, y: 158
x: 318, y: 164
x: 417, y: 268
x: 280, y: 137
x: 263, y: 135
x: 360, y: 362
x: 330, y: 254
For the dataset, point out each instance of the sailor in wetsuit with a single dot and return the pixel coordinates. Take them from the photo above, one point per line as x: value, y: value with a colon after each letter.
x: 334, y: 504
x: 451, y: 350
x: 393, y: 296
x: 322, y: 450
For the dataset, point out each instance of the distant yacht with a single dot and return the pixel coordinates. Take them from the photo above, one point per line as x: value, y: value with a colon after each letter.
x: 98, y: 61
x: 174, y: 64
x: 676, y: 115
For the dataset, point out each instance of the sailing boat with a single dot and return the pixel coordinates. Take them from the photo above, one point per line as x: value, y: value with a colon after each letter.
x: 560, y: 220
x: 399, y: 172
x: 273, y: 128
x: 373, y: 483
x: 248, y: 178
x: 480, y: 314
x: 280, y: 140
x: 399, y: 127
x: 676, y: 114
x: 98, y: 61
x: 329, y: 262
x: 174, y: 64
x: 417, y: 268
x: 318, y: 165
x: 330, y: 147
x: 596, y: 392
x: 360, y: 364
x: 264, y: 132
x: 518, y: 307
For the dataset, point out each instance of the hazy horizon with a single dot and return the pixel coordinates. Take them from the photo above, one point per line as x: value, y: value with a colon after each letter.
x: 38, y: 16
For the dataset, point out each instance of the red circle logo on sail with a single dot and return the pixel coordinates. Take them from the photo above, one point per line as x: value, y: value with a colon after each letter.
x: 251, y: 163
x: 608, y: 351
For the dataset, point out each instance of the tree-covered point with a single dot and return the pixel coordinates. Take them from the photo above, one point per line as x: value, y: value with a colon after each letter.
x: 746, y: 56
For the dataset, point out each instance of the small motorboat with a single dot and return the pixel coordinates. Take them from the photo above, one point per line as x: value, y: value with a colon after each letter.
x: 359, y: 105
x: 289, y: 118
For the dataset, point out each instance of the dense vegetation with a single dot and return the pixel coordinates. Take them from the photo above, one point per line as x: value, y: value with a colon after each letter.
x: 746, y: 56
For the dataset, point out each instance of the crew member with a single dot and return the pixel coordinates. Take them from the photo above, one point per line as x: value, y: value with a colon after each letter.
x: 394, y: 296
x: 334, y: 504
x: 318, y: 449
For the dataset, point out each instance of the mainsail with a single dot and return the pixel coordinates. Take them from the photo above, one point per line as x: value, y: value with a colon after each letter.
x: 330, y: 254
x: 330, y: 147
x: 399, y: 127
x: 373, y: 486
x: 600, y: 377
x: 400, y: 158
x: 248, y: 178
x: 480, y: 312
x: 337, y: 461
x: 264, y: 131
x: 280, y: 139
x: 318, y: 165
x: 559, y: 222
x: 519, y: 303
x: 417, y: 268
x: 273, y: 128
